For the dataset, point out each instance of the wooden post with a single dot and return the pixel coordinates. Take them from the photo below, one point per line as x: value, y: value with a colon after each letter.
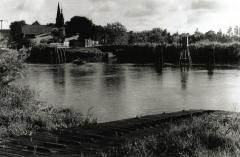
x: 185, y: 57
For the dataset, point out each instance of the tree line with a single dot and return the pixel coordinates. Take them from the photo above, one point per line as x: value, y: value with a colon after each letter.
x: 117, y: 34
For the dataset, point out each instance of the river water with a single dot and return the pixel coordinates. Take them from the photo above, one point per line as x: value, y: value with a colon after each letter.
x: 117, y: 91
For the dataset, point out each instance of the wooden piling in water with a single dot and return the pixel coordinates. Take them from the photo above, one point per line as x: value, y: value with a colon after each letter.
x: 185, y: 56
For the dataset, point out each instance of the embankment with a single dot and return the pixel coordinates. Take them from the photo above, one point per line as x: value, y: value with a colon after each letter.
x: 201, y: 53
x: 187, y: 133
x: 54, y: 55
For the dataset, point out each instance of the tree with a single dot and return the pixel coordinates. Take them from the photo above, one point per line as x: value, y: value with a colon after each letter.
x: 157, y: 35
x: 16, y: 32
x: 229, y: 31
x: 210, y: 35
x: 236, y: 31
x: 176, y: 38
x: 220, y: 33
x: 81, y: 26
x: 197, y: 36
x: 116, y: 34
x: 98, y: 33
x: 131, y: 37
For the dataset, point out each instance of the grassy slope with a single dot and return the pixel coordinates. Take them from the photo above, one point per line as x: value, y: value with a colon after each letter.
x: 20, y: 111
x: 214, y: 135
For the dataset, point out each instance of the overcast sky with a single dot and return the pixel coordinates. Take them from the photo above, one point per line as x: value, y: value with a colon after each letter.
x: 136, y: 15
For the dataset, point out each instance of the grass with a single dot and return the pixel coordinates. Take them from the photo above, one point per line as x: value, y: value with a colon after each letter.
x: 49, y: 55
x: 21, y: 113
x: 214, y: 135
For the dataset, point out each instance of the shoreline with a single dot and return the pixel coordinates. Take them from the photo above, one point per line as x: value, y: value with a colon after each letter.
x: 90, y: 139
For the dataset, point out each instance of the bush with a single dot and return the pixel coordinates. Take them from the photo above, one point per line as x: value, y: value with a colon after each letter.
x: 21, y: 113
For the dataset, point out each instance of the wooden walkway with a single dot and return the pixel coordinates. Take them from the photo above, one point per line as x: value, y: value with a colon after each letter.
x: 91, y: 140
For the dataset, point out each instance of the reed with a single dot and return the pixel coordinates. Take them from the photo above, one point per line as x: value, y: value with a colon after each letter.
x: 53, y: 55
x: 201, y: 53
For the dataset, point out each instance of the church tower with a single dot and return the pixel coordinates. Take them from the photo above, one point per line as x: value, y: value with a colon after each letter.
x: 60, y: 17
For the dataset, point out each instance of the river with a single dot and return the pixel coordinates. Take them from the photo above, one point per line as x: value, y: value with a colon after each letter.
x: 118, y: 91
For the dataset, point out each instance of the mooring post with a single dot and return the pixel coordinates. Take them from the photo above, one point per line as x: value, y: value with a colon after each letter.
x: 185, y: 56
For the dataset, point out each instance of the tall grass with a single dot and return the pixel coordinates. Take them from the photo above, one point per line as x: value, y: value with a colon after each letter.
x: 48, y: 55
x: 21, y: 113
x: 205, y: 136
x: 201, y: 53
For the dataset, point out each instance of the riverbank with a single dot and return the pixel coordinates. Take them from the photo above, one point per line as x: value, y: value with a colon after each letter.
x: 209, y: 135
x: 52, y: 55
x: 207, y: 53
x: 187, y: 133
x: 21, y: 112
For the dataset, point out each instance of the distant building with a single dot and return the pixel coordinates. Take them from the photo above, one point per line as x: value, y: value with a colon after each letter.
x: 90, y: 43
x: 42, y: 38
x: 83, y: 43
x: 68, y: 40
x: 31, y: 31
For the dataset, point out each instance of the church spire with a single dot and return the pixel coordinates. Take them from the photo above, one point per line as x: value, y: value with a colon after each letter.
x: 59, y: 18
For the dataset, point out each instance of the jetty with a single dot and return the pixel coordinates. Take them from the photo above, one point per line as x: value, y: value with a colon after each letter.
x: 90, y: 140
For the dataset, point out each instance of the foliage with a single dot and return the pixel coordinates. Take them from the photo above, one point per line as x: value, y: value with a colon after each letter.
x: 10, y: 66
x: 116, y: 34
x: 21, y: 112
x: 99, y: 33
x: 156, y: 35
x: 81, y: 26
x: 16, y: 31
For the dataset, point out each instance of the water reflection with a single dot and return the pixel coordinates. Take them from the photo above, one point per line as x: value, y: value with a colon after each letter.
x: 210, y: 72
x: 114, y: 77
x: 59, y: 75
x: 184, y: 77
x: 119, y: 91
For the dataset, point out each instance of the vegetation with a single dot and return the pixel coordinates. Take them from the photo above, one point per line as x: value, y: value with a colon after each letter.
x: 201, y: 52
x: 116, y: 34
x: 21, y: 113
x: 81, y: 26
x: 215, y: 135
x: 16, y: 32
x: 49, y: 55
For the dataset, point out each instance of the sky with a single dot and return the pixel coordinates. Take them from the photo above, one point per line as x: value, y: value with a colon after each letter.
x: 137, y: 15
